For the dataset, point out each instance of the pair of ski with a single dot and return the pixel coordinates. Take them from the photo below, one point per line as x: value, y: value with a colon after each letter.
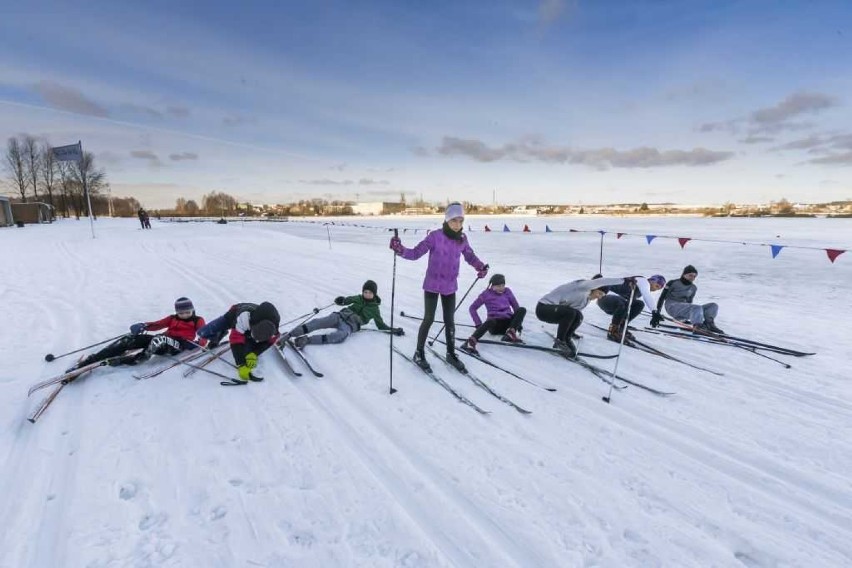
x: 305, y: 361
x: 676, y: 327
x: 650, y: 349
x: 65, y: 378
x: 460, y: 397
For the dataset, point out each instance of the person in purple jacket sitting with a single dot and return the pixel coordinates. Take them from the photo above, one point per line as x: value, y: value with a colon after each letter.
x: 503, y: 314
x: 444, y: 248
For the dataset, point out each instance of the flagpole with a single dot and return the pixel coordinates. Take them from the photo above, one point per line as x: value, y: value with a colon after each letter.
x: 86, y: 187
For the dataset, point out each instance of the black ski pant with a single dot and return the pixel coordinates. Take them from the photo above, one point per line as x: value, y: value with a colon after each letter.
x: 499, y: 326
x: 240, y: 350
x: 430, y: 304
x: 616, y: 306
x: 129, y: 343
x: 568, y: 319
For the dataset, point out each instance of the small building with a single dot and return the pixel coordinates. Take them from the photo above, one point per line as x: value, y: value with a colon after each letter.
x: 36, y: 212
x: 368, y: 208
x: 6, y: 219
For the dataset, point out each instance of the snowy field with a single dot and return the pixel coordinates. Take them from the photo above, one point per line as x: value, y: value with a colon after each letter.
x: 747, y: 469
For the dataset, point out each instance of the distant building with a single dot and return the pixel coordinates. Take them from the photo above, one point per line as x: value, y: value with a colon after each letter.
x: 32, y: 212
x: 6, y: 219
x: 377, y: 208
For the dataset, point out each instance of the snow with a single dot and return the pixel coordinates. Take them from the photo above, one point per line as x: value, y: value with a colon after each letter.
x: 747, y: 469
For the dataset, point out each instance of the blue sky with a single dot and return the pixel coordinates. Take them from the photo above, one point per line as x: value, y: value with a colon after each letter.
x: 541, y: 101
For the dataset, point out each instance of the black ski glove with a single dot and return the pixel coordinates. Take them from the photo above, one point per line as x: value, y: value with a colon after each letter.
x: 340, y: 300
x: 656, y: 318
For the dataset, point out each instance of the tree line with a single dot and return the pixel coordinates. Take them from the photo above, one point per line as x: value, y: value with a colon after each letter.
x: 35, y: 175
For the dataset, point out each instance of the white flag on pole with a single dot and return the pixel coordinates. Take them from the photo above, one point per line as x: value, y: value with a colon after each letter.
x: 70, y: 153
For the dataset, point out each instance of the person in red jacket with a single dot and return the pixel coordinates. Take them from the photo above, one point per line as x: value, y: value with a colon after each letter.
x: 180, y: 331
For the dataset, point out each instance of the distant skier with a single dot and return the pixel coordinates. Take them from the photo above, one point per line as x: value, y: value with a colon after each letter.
x: 141, y: 214
x: 445, y: 247
x: 147, y: 220
x: 181, y: 329
x: 254, y: 327
x: 358, y: 312
x: 503, y: 314
x: 563, y: 306
x: 614, y: 303
x: 677, y: 298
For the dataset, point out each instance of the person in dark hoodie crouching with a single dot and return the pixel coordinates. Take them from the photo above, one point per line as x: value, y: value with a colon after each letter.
x: 358, y: 312
x: 254, y: 327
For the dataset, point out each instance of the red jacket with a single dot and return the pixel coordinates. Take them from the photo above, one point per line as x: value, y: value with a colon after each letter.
x: 176, y: 327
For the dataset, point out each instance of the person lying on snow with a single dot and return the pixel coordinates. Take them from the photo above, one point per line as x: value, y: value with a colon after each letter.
x: 504, y: 315
x: 254, y: 327
x: 358, y: 312
x: 677, y: 298
x: 181, y: 329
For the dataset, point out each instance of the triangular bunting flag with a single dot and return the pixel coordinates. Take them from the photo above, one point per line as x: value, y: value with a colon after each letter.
x: 833, y: 254
x: 682, y: 241
x: 650, y: 238
x: 506, y: 228
x: 775, y: 249
x: 619, y: 235
x: 487, y: 229
x: 547, y: 229
x: 527, y: 228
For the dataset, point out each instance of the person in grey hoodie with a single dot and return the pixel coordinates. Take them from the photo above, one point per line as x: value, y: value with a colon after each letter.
x: 563, y: 306
x: 677, y: 298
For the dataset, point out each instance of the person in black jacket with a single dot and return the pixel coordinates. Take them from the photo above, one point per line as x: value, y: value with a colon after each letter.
x: 677, y: 298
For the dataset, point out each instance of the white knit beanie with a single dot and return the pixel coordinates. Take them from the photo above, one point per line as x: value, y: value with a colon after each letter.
x: 454, y: 210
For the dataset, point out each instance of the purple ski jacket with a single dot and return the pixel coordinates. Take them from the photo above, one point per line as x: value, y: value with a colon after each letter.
x: 442, y: 274
x: 497, y: 306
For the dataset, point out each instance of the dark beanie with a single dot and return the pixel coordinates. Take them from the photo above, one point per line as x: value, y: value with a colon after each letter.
x: 497, y: 280
x: 689, y: 269
x: 264, y: 320
x: 184, y: 304
x: 371, y: 286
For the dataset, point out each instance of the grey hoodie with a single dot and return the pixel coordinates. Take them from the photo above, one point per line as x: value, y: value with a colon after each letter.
x: 576, y: 293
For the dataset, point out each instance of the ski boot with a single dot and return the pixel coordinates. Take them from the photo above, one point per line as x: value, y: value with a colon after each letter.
x: 469, y: 346
x: 420, y: 360
x: 710, y: 324
x: 454, y: 360
x: 511, y: 336
x: 567, y: 348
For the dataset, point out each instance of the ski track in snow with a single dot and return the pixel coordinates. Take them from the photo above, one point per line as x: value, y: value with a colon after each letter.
x: 748, y: 469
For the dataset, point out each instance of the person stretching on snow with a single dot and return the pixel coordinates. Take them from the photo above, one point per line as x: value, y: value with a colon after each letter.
x: 254, y: 327
x: 614, y: 303
x: 504, y: 316
x: 445, y: 247
x: 181, y: 328
x: 358, y: 312
x: 677, y: 298
x: 562, y: 306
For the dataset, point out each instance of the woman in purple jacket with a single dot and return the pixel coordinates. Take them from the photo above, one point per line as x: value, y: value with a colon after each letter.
x: 444, y: 248
x: 503, y: 314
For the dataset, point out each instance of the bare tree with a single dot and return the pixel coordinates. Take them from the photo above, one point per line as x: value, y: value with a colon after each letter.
x: 219, y: 203
x: 47, y: 168
x: 65, y: 182
x: 85, y: 176
x: 180, y: 205
x: 15, y: 166
x: 192, y: 207
x: 31, y: 154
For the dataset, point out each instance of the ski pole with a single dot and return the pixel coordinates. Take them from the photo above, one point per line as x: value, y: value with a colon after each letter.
x: 460, y: 302
x: 392, y: 390
x: 606, y: 398
x: 51, y: 357
x: 306, y: 316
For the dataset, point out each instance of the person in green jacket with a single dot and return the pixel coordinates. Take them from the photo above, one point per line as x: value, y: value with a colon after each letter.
x: 358, y: 312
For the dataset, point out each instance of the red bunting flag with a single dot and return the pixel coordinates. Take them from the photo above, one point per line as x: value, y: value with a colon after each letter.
x: 619, y: 235
x: 833, y: 254
x: 683, y: 241
x: 526, y: 228
x: 487, y: 229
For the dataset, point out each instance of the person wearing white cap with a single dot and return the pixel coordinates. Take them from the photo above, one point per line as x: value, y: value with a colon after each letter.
x: 445, y: 248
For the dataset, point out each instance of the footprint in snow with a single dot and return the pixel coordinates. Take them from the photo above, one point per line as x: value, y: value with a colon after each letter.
x: 218, y: 513
x: 127, y: 491
x: 151, y: 521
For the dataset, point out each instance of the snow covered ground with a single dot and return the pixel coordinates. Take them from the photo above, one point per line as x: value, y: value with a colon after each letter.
x: 748, y: 469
